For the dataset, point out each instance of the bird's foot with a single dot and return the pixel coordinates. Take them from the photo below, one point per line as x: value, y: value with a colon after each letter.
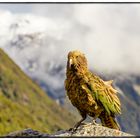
x: 73, y: 130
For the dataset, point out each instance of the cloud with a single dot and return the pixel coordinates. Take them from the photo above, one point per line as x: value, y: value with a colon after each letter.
x: 113, y: 40
x: 108, y: 34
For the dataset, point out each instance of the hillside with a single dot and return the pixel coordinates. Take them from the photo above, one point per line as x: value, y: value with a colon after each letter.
x: 21, y: 100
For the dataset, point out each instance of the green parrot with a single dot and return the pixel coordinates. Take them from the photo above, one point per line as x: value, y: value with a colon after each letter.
x: 89, y: 93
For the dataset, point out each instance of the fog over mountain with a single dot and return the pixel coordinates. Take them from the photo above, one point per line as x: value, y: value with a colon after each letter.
x: 107, y: 34
x: 41, y: 39
x: 106, y: 30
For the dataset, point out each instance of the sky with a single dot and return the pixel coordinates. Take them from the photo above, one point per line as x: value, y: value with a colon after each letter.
x: 17, y: 8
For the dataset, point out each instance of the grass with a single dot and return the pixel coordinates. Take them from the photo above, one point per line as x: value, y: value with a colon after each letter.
x: 23, y: 104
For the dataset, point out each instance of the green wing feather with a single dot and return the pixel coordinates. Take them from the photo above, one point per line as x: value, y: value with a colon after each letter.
x: 104, y: 94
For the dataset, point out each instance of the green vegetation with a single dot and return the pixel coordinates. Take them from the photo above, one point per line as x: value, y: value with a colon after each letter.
x: 24, y: 105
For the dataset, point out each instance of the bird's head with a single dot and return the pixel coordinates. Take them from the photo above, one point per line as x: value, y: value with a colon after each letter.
x: 76, y: 61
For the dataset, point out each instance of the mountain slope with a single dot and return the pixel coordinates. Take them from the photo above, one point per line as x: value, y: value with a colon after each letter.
x: 24, y: 105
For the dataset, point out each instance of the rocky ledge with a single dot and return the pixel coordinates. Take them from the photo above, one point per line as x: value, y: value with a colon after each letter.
x: 85, y: 130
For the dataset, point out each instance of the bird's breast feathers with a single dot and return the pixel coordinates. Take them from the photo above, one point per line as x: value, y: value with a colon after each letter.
x: 78, y: 93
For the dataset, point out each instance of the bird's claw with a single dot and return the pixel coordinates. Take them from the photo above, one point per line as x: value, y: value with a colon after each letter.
x: 75, y: 128
x: 70, y: 129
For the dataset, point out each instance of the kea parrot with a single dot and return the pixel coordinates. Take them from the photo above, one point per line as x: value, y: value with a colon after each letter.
x: 89, y: 93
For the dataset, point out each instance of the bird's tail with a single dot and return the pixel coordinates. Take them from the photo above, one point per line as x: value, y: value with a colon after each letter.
x: 109, y: 121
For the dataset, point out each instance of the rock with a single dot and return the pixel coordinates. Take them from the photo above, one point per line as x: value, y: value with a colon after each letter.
x: 85, y: 130
x: 90, y: 130
x: 27, y: 133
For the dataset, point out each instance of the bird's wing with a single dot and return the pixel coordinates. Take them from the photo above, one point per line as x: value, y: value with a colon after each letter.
x: 104, y: 93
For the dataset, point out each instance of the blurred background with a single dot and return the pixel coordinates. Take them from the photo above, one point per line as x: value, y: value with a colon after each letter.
x: 38, y: 38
